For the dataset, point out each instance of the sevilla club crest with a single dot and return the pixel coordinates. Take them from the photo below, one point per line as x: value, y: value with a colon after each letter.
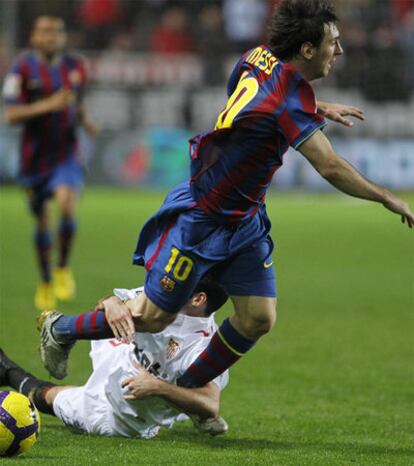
x: 172, y: 349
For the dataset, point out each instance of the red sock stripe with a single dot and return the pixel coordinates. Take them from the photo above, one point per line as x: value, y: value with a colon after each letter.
x: 198, y: 375
x: 79, y: 324
x: 148, y: 265
x: 222, y: 349
x: 209, y: 360
x: 92, y: 322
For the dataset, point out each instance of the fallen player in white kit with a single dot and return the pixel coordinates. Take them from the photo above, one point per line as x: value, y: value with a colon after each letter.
x: 131, y: 391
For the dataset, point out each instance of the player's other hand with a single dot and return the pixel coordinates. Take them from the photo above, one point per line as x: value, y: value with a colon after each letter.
x: 119, y: 318
x: 338, y: 112
x: 60, y: 99
x: 141, y: 385
x: 396, y: 205
x: 90, y: 128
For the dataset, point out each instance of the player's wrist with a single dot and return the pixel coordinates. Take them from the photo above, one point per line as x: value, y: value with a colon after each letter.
x: 385, y: 196
x: 158, y: 387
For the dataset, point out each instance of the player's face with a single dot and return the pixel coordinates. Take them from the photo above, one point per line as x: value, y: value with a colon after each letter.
x: 48, y: 35
x: 326, y: 54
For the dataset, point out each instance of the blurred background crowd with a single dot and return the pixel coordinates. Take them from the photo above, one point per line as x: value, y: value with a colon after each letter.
x: 157, y: 71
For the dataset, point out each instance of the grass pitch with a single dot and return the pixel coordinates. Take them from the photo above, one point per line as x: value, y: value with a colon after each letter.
x: 331, y: 385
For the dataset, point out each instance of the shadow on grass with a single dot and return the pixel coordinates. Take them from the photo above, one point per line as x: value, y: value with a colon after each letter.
x: 244, y: 443
x: 185, y: 436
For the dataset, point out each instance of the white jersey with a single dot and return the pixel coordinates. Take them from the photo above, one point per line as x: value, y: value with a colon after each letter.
x: 99, y: 406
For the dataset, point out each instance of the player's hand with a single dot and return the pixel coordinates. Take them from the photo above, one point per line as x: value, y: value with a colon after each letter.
x: 60, y: 99
x: 396, y: 205
x: 90, y: 128
x: 337, y: 112
x: 119, y: 318
x: 141, y: 385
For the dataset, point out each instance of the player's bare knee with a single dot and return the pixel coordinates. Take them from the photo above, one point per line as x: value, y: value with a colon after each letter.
x: 260, y: 320
x: 259, y: 326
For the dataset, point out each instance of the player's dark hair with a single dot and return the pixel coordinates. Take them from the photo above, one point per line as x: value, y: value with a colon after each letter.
x: 216, y: 296
x: 295, y: 22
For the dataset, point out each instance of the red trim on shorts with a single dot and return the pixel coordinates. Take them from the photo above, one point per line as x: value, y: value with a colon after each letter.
x: 148, y: 265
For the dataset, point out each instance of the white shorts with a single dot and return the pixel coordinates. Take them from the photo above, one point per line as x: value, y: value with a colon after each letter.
x: 84, y: 410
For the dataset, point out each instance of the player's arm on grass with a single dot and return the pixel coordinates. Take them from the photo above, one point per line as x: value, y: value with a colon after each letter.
x: 203, y: 401
x: 56, y: 102
x: 341, y: 174
x: 338, y: 112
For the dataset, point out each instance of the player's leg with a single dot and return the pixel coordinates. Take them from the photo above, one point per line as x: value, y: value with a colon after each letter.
x: 44, y: 297
x: 148, y: 317
x: 64, y: 283
x: 254, y: 316
x: 251, y: 276
x: 41, y: 392
x: 58, y: 334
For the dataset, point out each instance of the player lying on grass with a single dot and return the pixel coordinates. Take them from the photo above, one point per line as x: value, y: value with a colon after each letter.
x: 131, y: 391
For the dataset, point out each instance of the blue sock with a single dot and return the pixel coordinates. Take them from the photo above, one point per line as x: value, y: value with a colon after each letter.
x: 43, y: 244
x: 225, y: 348
x: 67, y: 230
x: 88, y: 326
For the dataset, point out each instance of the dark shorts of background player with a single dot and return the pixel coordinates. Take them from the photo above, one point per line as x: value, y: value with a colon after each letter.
x: 41, y: 188
x: 180, y: 244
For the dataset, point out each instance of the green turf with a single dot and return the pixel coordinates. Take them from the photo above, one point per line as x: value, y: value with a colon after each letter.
x: 331, y: 385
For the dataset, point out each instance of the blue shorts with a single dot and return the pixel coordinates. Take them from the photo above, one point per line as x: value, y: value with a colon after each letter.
x: 68, y: 173
x: 180, y: 244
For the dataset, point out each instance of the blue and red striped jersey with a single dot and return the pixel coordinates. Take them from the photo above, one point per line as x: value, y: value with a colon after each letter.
x: 48, y: 139
x: 271, y: 106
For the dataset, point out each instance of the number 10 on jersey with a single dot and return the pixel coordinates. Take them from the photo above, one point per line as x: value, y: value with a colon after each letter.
x: 245, y: 91
x: 180, y: 265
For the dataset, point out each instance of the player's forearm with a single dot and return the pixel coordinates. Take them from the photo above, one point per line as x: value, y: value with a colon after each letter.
x: 14, y: 114
x: 189, y: 400
x: 321, y: 107
x: 347, y: 179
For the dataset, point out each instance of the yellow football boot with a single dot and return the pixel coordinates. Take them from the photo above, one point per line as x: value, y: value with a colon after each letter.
x: 45, y: 296
x: 64, y: 284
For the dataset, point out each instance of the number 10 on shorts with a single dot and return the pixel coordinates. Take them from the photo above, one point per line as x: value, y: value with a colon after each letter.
x: 180, y: 265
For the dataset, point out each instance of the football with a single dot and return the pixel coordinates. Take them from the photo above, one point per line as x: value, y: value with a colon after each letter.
x: 19, y: 423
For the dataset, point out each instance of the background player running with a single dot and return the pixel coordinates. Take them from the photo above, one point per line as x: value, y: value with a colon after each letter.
x: 43, y: 90
x: 131, y: 391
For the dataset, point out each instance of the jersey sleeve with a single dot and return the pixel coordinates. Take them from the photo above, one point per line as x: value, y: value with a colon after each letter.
x: 125, y: 293
x: 299, y: 119
x: 14, y: 85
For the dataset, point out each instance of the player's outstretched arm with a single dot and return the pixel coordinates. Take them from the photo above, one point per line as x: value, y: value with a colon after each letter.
x: 338, y: 112
x: 341, y: 174
x: 14, y: 114
x: 203, y: 401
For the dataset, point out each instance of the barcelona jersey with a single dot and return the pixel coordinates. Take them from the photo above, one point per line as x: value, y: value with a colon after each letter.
x: 271, y: 106
x: 50, y: 139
